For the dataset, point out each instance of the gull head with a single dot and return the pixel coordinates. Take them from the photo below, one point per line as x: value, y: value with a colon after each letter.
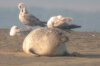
x: 14, y: 30
x: 21, y: 5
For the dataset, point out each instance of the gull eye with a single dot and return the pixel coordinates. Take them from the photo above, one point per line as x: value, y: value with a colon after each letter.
x: 19, y: 6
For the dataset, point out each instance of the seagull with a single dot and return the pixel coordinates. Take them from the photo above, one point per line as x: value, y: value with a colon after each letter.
x: 14, y: 30
x: 28, y: 19
x: 61, y: 22
x: 17, y: 31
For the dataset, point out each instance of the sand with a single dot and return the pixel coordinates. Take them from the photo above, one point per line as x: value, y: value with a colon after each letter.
x: 83, y: 47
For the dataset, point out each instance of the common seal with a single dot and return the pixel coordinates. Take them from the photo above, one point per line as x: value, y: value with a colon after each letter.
x: 44, y: 41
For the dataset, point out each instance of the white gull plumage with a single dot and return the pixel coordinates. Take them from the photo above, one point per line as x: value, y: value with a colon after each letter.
x: 14, y: 30
x: 61, y: 22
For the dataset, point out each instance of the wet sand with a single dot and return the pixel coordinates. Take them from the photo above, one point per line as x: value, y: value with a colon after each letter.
x: 83, y: 47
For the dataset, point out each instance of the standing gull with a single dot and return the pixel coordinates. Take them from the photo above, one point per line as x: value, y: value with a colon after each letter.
x: 61, y: 22
x: 28, y: 19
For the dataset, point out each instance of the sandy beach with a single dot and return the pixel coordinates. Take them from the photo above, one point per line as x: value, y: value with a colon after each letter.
x: 83, y: 47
